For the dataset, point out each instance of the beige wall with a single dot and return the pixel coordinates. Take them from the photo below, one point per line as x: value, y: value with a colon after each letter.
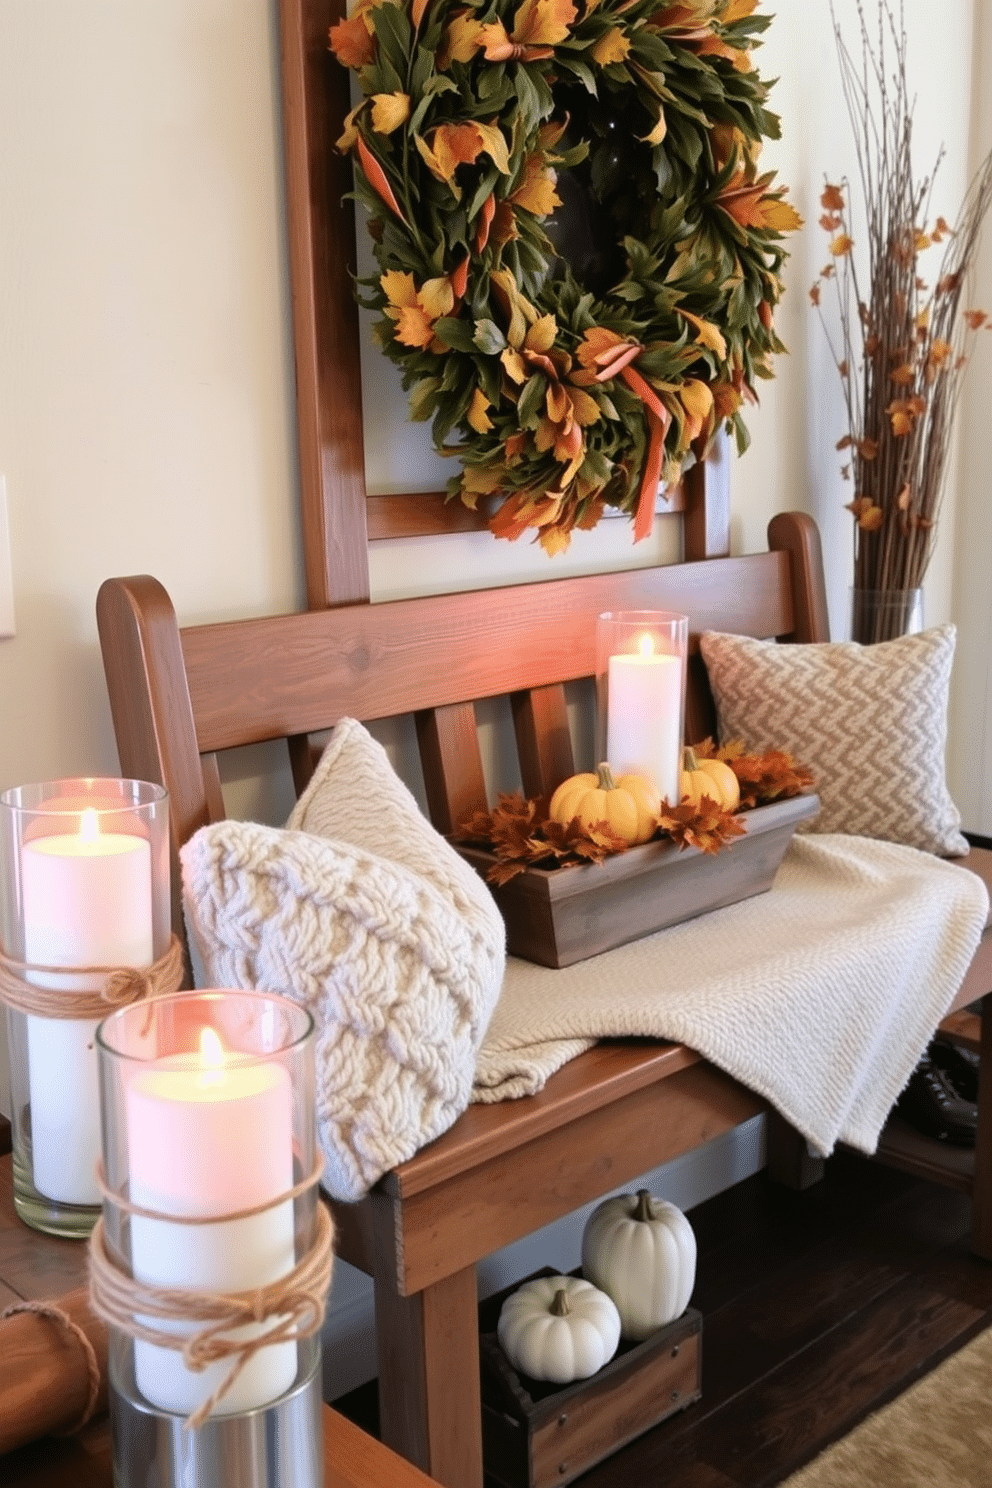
x: 146, y: 385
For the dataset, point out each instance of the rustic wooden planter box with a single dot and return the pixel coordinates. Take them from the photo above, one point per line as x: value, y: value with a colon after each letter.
x: 535, y: 1434
x: 557, y: 916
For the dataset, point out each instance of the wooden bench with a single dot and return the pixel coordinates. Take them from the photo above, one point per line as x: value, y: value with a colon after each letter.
x: 179, y: 696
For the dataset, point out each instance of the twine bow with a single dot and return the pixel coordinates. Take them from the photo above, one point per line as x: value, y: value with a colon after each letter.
x: 617, y: 361
x: 294, y: 1304
x: 121, y: 985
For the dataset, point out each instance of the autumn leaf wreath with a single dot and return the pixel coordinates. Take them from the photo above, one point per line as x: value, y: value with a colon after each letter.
x: 578, y: 258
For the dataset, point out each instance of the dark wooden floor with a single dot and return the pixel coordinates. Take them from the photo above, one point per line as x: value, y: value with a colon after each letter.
x: 817, y: 1308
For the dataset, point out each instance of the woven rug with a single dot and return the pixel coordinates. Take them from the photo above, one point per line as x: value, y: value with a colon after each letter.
x: 938, y: 1434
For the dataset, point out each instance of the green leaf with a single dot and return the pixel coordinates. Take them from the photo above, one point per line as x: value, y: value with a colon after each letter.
x: 489, y: 338
x: 581, y: 70
x: 422, y: 71
x: 569, y: 159
x: 530, y: 400
x: 487, y: 181
x: 423, y: 400
x: 448, y: 416
x: 493, y: 86
x: 392, y: 29
x: 528, y: 101
x: 455, y: 333
x: 595, y: 467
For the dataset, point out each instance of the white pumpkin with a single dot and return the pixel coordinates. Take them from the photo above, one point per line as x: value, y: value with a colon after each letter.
x: 558, y: 1328
x: 642, y: 1252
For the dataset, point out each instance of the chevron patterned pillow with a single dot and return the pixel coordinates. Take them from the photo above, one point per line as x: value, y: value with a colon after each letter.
x: 869, y: 721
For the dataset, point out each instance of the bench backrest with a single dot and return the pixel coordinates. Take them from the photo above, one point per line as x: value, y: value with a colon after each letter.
x: 180, y: 695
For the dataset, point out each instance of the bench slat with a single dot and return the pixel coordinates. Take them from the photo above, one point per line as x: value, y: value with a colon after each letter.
x: 544, y: 742
x: 264, y: 678
x: 452, y: 764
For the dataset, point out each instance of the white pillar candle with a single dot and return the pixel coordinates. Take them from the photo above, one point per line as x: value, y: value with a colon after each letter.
x: 644, y: 717
x: 210, y: 1135
x: 87, y: 901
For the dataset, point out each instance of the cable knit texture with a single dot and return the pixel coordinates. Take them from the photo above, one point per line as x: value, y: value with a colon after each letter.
x: 363, y: 912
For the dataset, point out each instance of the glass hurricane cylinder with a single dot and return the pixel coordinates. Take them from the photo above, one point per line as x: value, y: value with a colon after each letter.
x: 640, y: 694
x: 209, y: 1151
x: 84, y: 891
x: 884, y: 614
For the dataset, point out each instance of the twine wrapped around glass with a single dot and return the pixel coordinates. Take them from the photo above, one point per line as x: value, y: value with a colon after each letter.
x: 85, y: 925
x: 212, y: 1259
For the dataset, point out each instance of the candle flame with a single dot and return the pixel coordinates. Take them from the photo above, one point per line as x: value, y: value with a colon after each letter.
x: 647, y: 645
x: 211, y: 1056
x: 89, y: 826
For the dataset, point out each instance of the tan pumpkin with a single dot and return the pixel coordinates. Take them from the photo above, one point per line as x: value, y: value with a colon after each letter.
x: 709, y: 777
x: 629, y: 805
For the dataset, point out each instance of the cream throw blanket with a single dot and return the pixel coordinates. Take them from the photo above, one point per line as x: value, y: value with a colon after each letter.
x: 820, y: 995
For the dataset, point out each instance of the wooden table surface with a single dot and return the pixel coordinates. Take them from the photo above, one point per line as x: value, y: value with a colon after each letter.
x: 36, y: 1266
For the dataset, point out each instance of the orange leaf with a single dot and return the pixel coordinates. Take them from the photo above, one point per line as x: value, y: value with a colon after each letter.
x: 543, y: 22
x: 709, y: 335
x: 612, y: 46
x: 376, y: 177
x: 459, y: 278
x: 737, y: 10
x: 413, y: 327
x: 462, y: 40
x: 486, y: 214
x: 477, y: 415
x: 351, y: 42
x: 389, y: 111
x: 536, y: 192
x: 454, y: 145
x: 399, y: 287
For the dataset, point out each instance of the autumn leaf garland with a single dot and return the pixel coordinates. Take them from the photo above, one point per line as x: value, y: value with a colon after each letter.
x: 520, y: 834
x: 567, y: 376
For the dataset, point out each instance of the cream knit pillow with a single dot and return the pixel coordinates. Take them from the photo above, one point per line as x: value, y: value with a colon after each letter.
x: 869, y: 721
x: 361, y: 911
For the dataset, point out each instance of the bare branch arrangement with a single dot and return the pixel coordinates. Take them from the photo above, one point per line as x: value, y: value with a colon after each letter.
x: 902, y: 346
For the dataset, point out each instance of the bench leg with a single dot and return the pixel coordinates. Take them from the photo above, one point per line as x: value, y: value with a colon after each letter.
x: 429, y: 1395
x: 790, y: 1161
x: 981, y: 1193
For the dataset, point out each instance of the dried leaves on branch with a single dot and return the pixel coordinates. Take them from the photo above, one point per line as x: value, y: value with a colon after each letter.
x: 520, y: 834
x: 903, y: 335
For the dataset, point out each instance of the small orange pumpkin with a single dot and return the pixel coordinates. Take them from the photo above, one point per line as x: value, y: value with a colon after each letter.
x: 709, y: 777
x: 629, y: 805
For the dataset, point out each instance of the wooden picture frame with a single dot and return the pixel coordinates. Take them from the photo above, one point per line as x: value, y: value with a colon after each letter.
x: 339, y: 517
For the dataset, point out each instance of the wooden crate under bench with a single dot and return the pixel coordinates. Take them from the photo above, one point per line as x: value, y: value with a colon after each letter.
x: 536, y: 1434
